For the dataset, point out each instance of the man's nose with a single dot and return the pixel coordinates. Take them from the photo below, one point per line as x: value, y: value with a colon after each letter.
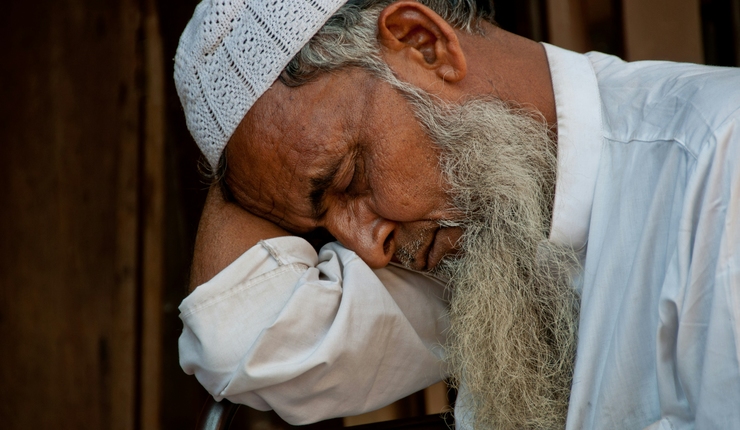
x: 369, y: 235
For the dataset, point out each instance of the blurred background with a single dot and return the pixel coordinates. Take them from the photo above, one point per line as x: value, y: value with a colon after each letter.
x: 101, y: 196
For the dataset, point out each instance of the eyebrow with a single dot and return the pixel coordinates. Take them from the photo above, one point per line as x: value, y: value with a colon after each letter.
x: 321, y: 184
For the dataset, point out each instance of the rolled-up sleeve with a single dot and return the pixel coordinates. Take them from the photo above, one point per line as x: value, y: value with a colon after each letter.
x: 313, y: 336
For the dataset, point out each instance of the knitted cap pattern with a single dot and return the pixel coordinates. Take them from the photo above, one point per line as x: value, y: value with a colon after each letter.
x: 231, y: 52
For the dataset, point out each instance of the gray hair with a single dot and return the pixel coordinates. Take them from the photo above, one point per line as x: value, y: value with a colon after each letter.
x: 349, y: 37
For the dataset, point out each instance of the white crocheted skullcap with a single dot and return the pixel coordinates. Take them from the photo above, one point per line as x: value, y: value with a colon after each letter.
x: 231, y: 52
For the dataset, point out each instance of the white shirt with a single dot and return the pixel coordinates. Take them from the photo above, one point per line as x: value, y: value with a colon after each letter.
x: 648, y: 190
x: 313, y: 337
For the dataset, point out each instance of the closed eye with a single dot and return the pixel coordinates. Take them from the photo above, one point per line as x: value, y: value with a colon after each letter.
x: 356, y: 186
x: 327, y: 182
x: 319, y: 187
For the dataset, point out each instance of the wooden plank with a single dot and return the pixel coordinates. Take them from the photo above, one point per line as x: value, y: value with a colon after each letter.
x: 68, y: 227
x: 387, y: 413
x: 663, y: 30
x: 153, y: 194
x: 124, y: 347
x: 435, y: 399
x: 566, y: 21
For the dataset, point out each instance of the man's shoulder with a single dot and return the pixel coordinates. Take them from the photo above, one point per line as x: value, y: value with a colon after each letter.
x: 655, y: 81
x: 663, y: 100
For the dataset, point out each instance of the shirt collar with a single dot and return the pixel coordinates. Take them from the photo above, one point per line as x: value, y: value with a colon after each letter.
x: 578, y: 106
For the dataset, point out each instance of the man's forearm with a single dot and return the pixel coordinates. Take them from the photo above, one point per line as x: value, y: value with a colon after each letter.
x: 225, y: 232
x: 313, y: 336
x: 274, y: 325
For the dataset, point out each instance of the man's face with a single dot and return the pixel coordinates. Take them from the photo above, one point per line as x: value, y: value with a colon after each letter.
x: 345, y: 153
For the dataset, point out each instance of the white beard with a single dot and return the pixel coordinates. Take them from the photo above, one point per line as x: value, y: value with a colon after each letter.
x: 513, y: 313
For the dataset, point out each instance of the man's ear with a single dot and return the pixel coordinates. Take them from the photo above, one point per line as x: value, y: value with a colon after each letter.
x: 415, y: 35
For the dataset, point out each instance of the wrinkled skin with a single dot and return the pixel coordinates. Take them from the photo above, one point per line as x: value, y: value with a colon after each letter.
x: 387, y: 196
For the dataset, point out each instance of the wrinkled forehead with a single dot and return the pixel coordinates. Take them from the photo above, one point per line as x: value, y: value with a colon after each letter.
x: 292, y: 135
x: 312, y: 120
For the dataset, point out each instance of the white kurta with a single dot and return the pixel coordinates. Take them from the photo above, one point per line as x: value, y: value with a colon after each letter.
x: 648, y: 190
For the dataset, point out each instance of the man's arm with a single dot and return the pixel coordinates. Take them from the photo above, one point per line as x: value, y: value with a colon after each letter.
x: 225, y: 232
x: 312, y: 336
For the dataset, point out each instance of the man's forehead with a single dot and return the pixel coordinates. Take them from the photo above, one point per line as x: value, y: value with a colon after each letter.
x: 288, y: 189
x: 295, y: 140
x: 312, y: 119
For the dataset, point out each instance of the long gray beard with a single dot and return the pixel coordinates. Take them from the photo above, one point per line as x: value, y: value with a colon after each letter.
x: 513, y: 312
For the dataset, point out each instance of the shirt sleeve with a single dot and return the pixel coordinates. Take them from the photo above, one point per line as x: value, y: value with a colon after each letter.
x: 708, y: 324
x: 313, y: 336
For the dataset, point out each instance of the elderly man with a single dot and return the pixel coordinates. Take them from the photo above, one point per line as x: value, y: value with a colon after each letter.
x: 559, y: 233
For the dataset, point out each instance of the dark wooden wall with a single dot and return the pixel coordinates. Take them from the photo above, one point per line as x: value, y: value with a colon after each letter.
x: 86, y: 257
x: 70, y: 135
x: 100, y: 195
